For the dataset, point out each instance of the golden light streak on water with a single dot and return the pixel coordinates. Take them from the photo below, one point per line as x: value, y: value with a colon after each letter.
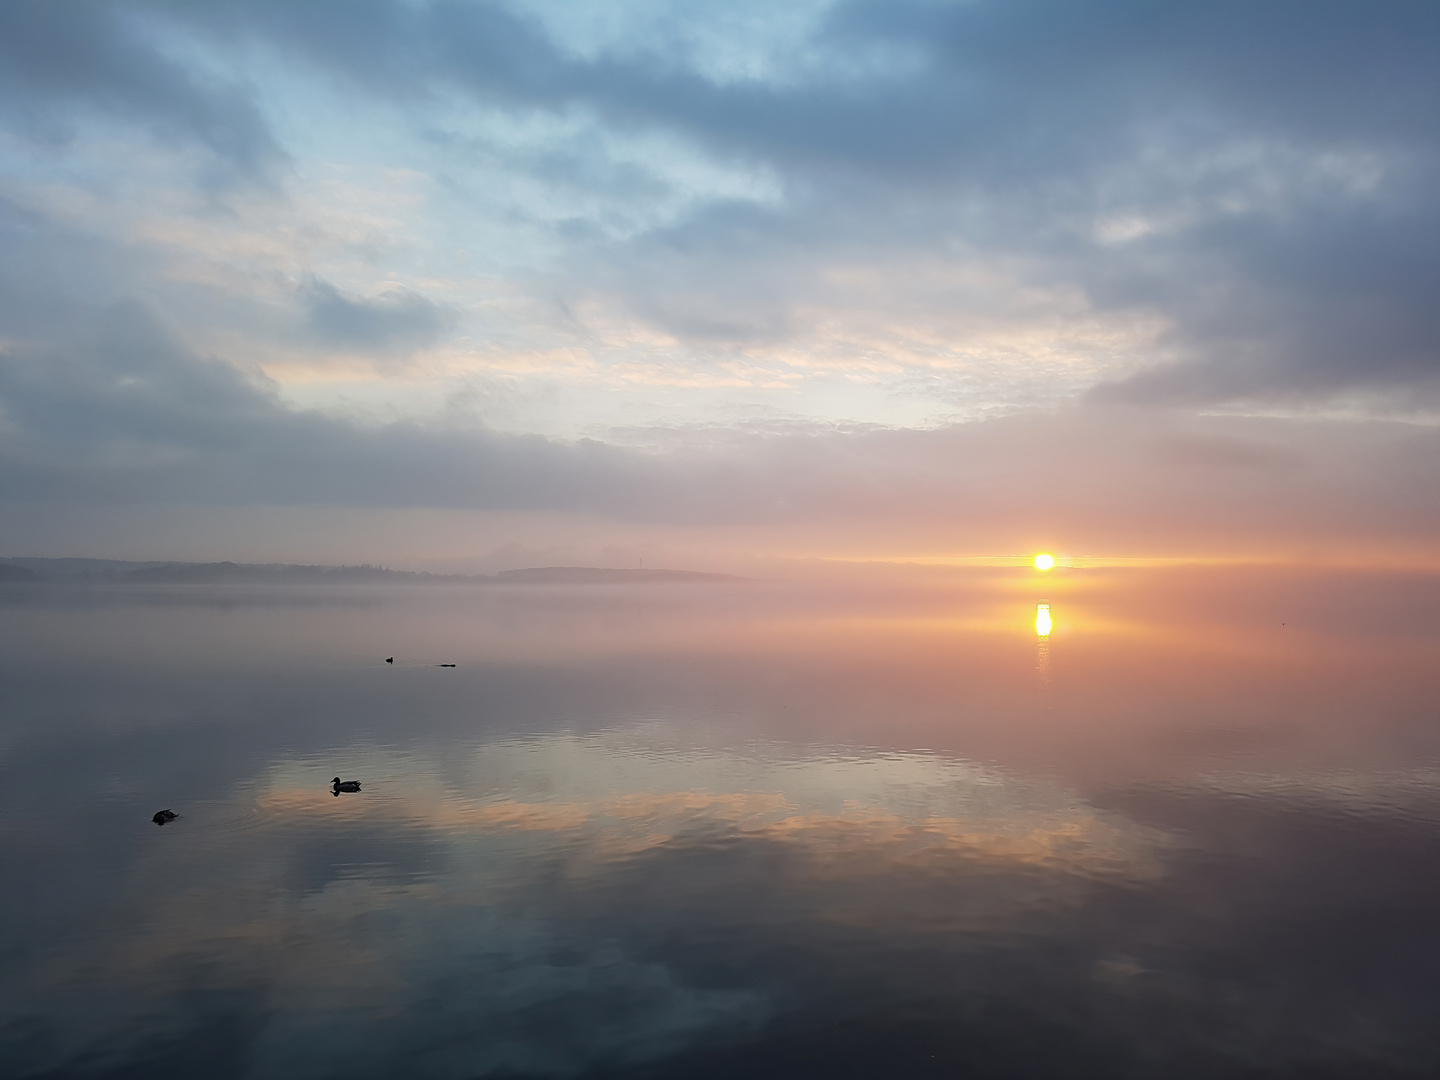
x: 1042, y: 645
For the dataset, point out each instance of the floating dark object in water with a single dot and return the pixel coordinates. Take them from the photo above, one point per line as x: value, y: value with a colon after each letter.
x: 444, y: 665
x: 162, y: 816
x: 389, y: 659
x: 339, y: 785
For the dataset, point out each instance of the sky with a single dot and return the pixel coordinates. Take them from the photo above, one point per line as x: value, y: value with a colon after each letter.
x: 470, y: 284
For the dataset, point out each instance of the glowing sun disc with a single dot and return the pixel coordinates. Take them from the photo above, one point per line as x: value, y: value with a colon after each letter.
x: 1044, y: 562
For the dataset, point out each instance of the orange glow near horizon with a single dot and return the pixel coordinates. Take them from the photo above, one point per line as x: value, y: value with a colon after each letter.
x: 1426, y: 562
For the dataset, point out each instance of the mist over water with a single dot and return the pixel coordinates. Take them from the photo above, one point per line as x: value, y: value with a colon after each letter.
x: 1186, y: 825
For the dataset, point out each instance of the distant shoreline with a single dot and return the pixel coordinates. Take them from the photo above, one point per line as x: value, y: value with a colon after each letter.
x: 119, y: 572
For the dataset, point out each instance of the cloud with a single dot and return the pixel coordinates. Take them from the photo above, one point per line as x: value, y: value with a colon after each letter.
x: 850, y: 217
x: 1303, y: 309
x: 64, y: 63
x: 394, y: 320
x: 123, y: 414
x: 1271, y: 171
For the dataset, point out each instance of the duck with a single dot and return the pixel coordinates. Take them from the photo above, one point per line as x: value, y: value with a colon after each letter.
x: 344, y: 785
x: 162, y: 816
x: 389, y: 659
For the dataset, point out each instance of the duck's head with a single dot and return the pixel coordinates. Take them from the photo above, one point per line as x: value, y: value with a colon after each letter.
x: 336, y: 780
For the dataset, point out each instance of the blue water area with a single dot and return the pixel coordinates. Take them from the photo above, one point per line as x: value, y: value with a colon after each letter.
x: 723, y: 830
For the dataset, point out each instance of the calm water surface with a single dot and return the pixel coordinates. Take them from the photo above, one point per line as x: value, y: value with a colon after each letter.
x: 758, y: 830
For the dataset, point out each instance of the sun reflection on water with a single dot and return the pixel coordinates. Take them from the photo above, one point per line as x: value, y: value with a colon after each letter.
x: 1042, y: 644
x: 1042, y: 620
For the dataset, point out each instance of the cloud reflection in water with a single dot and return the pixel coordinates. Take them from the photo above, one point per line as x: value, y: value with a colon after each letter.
x: 515, y: 931
x: 1154, y: 862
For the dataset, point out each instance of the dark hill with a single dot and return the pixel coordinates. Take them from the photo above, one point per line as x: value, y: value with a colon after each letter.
x: 221, y: 572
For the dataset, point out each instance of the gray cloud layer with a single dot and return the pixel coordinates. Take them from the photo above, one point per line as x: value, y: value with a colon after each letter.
x: 128, y: 416
x: 1266, y: 178
x: 1300, y: 140
x: 57, y: 60
x: 1041, y: 113
x: 395, y: 319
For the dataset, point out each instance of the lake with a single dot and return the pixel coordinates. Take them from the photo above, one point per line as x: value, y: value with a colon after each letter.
x: 874, y: 825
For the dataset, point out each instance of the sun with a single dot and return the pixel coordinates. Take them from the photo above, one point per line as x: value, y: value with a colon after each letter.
x: 1044, y: 562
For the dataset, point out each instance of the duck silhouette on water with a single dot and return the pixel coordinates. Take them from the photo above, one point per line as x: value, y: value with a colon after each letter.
x: 162, y: 816
x: 337, y: 786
